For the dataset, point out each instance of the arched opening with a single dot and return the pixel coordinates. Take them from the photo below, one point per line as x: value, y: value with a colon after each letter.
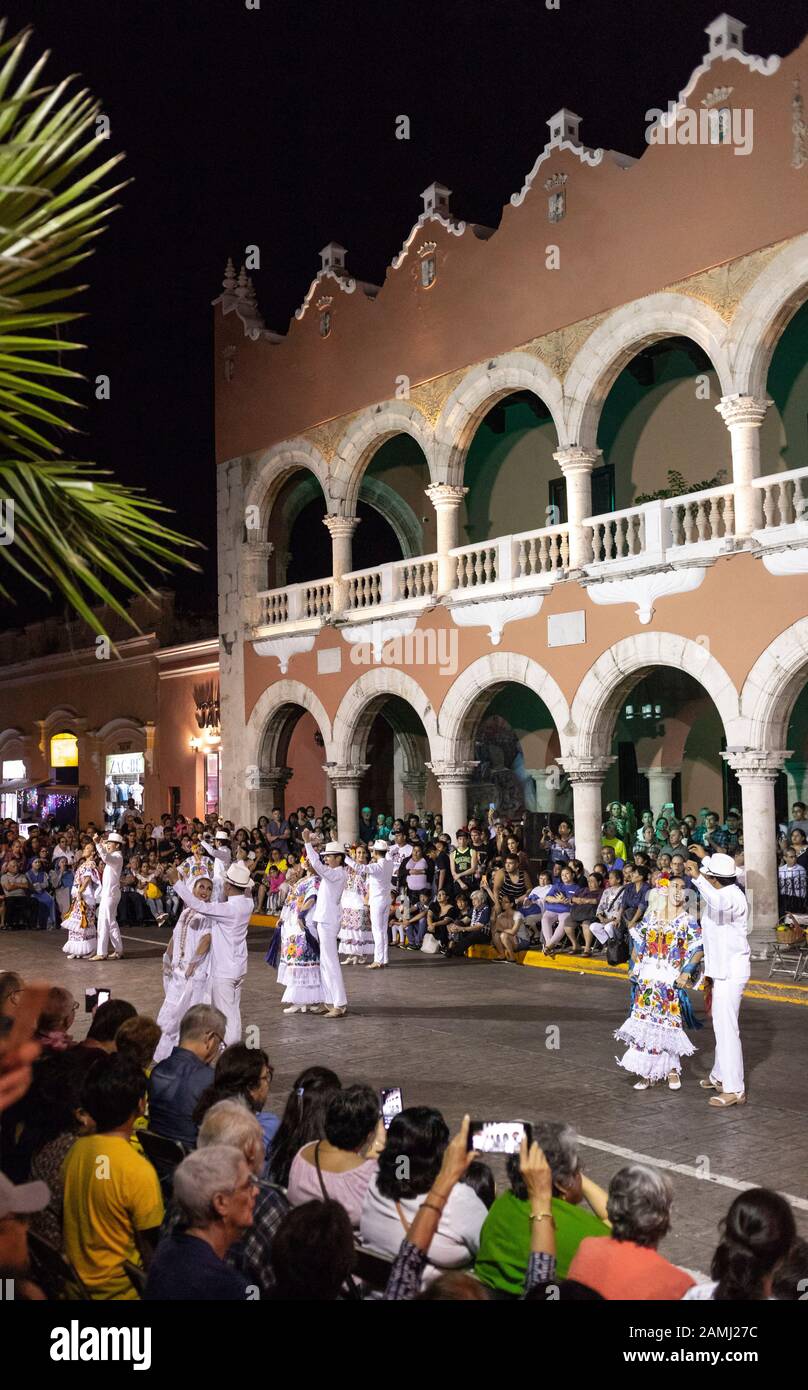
x: 784, y: 432
x: 397, y: 520
x: 794, y: 784
x: 667, y: 738
x: 511, y: 475
x: 392, y: 741
x: 659, y: 432
x: 511, y: 735
x: 301, y: 543
x: 290, y: 771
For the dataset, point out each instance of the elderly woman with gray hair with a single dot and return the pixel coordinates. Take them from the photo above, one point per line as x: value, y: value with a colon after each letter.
x: 215, y: 1191
x: 628, y: 1265
x: 578, y: 1207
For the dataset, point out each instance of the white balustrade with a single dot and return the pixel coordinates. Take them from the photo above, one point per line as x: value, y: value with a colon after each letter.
x: 402, y: 581
x: 530, y: 555
x: 295, y: 604
x: 617, y: 535
x: 698, y: 517
x: 785, y: 499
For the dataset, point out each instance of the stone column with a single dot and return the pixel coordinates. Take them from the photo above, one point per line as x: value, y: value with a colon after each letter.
x: 276, y: 779
x: 256, y: 555
x: 587, y: 776
x: 152, y: 809
x: 446, y: 499
x: 260, y: 793
x: 415, y: 784
x: 576, y: 465
x: 346, y: 781
x: 757, y: 772
x: 743, y: 416
x: 454, y: 780
x: 341, y: 529
x: 660, y: 785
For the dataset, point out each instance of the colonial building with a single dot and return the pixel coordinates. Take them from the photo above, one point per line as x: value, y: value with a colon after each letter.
x: 88, y: 724
x: 526, y: 523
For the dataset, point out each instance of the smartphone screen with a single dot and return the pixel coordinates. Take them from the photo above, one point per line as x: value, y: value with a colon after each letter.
x: 103, y: 996
x: 392, y: 1103
x: 498, y: 1136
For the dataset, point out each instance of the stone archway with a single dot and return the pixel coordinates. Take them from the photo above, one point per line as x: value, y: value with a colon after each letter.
x: 480, y: 389
x: 764, y: 312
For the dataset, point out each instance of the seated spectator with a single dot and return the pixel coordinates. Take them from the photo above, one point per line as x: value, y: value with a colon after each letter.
x: 303, y: 1120
x: 57, y: 1118
x: 555, y: 919
x: 54, y: 1023
x: 609, y: 910
x: 584, y: 911
x: 626, y: 1265
x: 175, y: 1085
x: 398, y: 1191
x: 504, y: 1252
x: 215, y: 1193
x: 340, y: 1166
x: 39, y: 878
x: 440, y: 916
x: 757, y: 1234
x: 230, y: 1122
x: 107, y: 1019
x: 243, y: 1072
x: 313, y: 1253
x: 473, y: 929
x: 22, y: 910
x: 11, y: 987
x: 104, y: 1222
x: 480, y: 1178
x: 504, y: 933
x: 17, y: 1203
x: 417, y: 923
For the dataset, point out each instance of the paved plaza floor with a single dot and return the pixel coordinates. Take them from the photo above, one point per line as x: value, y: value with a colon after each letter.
x: 509, y: 1042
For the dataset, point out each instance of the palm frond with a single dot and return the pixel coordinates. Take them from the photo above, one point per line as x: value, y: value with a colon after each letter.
x: 75, y: 529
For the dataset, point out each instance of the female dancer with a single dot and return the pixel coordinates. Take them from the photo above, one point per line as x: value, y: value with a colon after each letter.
x: 355, y: 934
x: 82, y: 934
x: 668, y: 944
x: 287, y: 922
x: 300, y: 949
x: 186, y: 970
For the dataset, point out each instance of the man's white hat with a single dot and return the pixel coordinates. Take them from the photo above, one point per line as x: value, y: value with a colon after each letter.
x: 114, y: 837
x: 381, y: 846
x: 221, y: 835
x: 239, y: 875
x: 722, y: 866
x: 704, y: 864
x: 334, y: 848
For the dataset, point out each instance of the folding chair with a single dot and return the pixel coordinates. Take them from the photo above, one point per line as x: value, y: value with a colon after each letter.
x: 372, y: 1270
x: 53, y: 1271
x: 789, y: 960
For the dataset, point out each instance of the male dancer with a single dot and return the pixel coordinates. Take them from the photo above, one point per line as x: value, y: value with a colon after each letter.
x: 332, y: 874
x: 228, y: 953
x: 108, y: 930
x: 222, y: 858
x: 724, y: 919
x: 380, y: 878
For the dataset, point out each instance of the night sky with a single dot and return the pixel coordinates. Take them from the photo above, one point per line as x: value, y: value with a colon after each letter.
x: 277, y: 127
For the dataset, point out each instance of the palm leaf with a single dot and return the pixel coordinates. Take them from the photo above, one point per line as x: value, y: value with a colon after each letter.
x: 76, y: 531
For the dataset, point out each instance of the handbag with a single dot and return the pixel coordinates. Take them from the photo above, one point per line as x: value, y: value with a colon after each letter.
x: 618, y: 949
x: 430, y: 945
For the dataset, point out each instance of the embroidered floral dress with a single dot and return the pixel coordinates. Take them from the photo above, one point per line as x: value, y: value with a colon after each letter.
x: 299, y: 957
x: 355, y: 935
x: 654, y: 1030
x: 186, y: 976
x: 80, y: 922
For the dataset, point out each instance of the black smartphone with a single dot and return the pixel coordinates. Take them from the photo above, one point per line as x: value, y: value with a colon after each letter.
x: 499, y: 1136
x: 93, y: 998
x: 391, y: 1099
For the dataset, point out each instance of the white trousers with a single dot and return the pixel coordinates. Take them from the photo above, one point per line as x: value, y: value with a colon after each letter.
x: 728, y: 1064
x: 226, y: 995
x: 330, y: 968
x: 109, y: 933
x: 379, y: 916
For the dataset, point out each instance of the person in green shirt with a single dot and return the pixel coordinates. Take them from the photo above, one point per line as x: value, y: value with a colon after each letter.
x: 579, y: 1210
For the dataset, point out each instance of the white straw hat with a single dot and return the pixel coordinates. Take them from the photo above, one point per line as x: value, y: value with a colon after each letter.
x: 333, y: 848
x: 380, y: 845
x: 221, y: 835
x: 114, y: 837
x: 239, y: 875
x: 722, y: 866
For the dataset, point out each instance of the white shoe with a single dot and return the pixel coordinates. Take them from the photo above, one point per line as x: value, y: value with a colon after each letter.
x: 674, y: 1082
x: 294, y: 1009
x: 642, y: 1086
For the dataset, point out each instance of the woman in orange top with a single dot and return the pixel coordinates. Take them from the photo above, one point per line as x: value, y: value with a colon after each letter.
x: 626, y: 1264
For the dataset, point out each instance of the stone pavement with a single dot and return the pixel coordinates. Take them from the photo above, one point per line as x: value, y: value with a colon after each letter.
x: 507, y: 1042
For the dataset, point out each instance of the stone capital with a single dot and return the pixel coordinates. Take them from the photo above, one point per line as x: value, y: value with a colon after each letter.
x: 757, y: 765
x: 586, y: 771
x: 445, y: 495
x: 256, y: 545
x: 343, y: 775
x: 655, y: 770
x: 743, y: 410
x: 341, y: 525
x: 452, y: 774
x: 574, y: 459
x: 278, y: 776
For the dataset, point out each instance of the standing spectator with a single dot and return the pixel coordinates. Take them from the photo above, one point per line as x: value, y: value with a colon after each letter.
x: 792, y: 882
x: 112, y: 1198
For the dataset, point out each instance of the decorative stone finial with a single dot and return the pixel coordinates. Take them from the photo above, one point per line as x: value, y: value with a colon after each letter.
x: 436, y: 199
x: 564, y: 126
x: 229, y: 281
x: 726, y: 35
x: 332, y: 257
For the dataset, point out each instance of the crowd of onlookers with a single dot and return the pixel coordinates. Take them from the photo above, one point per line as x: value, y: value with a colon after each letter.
x: 122, y: 1179
x: 487, y: 886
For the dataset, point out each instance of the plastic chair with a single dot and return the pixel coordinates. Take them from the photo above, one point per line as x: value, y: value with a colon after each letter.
x: 51, y: 1269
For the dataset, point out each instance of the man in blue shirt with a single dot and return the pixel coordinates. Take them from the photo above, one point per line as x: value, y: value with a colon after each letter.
x: 176, y: 1084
